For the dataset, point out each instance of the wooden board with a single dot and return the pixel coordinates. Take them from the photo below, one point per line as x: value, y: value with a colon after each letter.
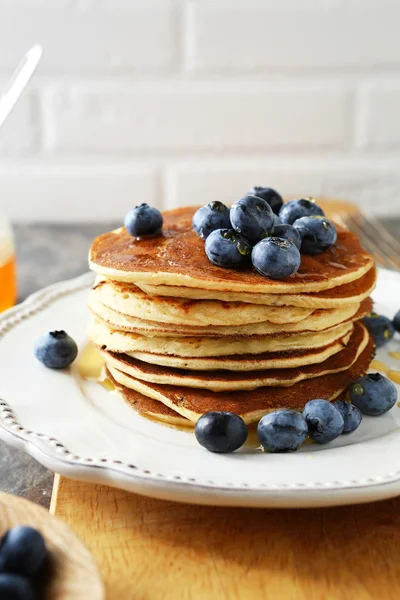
x: 73, y: 574
x: 153, y: 550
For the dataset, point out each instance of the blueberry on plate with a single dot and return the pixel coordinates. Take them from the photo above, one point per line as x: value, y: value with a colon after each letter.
x: 325, y: 422
x: 282, y: 431
x: 143, y: 220
x: 252, y: 217
x: 295, y: 209
x: 226, y: 248
x: 269, y: 195
x: 287, y: 232
x: 396, y: 321
x: 373, y: 394
x: 56, y: 350
x: 276, y: 258
x: 15, y: 587
x: 210, y: 217
x: 221, y: 432
x: 317, y: 234
x: 380, y: 327
x: 22, y: 551
x: 352, y: 416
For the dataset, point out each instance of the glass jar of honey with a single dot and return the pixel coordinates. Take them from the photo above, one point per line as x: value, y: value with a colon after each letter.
x: 8, y: 276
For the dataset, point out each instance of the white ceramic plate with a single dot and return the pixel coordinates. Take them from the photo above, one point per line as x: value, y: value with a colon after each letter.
x: 80, y: 430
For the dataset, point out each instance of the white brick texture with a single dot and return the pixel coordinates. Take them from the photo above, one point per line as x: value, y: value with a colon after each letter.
x: 380, y: 116
x: 206, y: 116
x: 20, y: 134
x: 184, y: 101
x: 288, y: 34
x: 91, y: 36
x: 74, y: 192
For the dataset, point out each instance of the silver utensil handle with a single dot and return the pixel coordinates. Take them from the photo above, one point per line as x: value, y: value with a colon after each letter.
x: 18, y: 81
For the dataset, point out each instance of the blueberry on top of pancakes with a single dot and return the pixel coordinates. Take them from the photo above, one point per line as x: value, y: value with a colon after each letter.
x: 287, y: 232
x: 226, y: 248
x: 269, y: 195
x: 295, y: 209
x: 143, y: 220
x: 210, y: 217
x: 317, y: 234
x: 252, y: 217
x: 276, y: 258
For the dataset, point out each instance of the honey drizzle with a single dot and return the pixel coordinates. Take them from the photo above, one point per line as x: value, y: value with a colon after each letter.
x: 8, y: 284
x: 394, y: 376
x: 90, y: 363
x: 380, y: 366
x: 91, y: 366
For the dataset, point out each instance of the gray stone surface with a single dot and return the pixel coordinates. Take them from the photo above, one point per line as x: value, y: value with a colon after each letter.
x: 50, y: 253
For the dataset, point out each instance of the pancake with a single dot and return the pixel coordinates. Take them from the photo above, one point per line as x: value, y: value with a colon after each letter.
x: 247, y: 362
x: 349, y: 293
x: 131, y: 301
x: 120, y: 364
x: 152, y: 409
x: 176, y: 257
x: 251, y: 405
x: 123, y: 341
x: 319, y: 319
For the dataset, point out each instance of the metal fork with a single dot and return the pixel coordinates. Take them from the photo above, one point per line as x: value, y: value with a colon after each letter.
x: 375, y: 238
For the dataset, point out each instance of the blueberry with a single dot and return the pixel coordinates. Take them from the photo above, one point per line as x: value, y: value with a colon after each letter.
x: 22, y: 551
x: 221, y: 431
x: 269, y: 195
x: 143, y: 220
x: 295, y: 209
x: 282, y: 431
x: 210, y: 217
x: 56, y: 350
x: 252, y: 217
x: 277, y: 221
x: 325, y: 422
x: 317, y: 234
x: 396, y: 321
x: 276, y: 258
x: 287, y: 232
x: 373, y: 394
x: 226, y: 248
x: 15, y: 587
x: 351, y: 415
x: 381, y: 328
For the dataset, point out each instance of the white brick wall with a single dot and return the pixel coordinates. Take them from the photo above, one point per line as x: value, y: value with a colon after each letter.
x: 193, y: 116
x: 380, y: 106
x: 248, y: 35
x: 185, y: 101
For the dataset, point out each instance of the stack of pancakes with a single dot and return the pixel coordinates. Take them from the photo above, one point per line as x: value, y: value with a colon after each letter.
x: 181, y: 337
